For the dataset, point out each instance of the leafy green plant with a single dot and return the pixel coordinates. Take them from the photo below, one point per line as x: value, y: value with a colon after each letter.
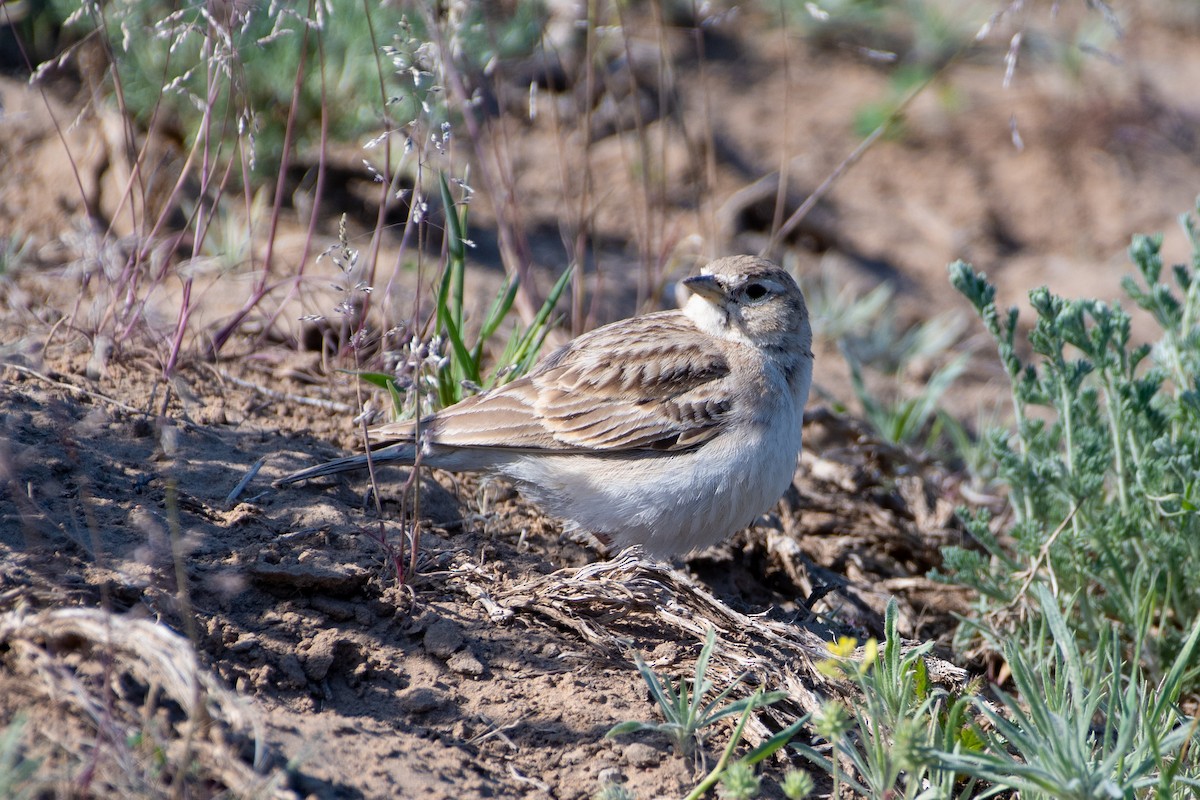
x: 1103, y: 465
x: 797, y: 784
x: 460, y: 371
x: 890, y: 737
x: 686, y: 711
x: 1085, y: 724
x: 687, y: 714
x: 907, y: 419
x: 15, y: 250
x: 16, y: 771
x: 870, y: 336
x: 463, y: 372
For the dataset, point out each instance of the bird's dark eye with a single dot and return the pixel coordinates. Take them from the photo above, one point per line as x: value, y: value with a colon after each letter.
x: 756, y: 291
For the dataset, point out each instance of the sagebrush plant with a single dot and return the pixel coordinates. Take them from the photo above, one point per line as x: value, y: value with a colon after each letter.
x: 612, y: 790
x: 890, y: 739
x: 1102, y: 467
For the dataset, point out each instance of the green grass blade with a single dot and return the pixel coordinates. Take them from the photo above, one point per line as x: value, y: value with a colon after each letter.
x: 380, y: 379
x: 779, y: 740
x: 1172, y: 683
x: 454, y: 231
x: 664, y: 696
x: 825, y: 763
x: 1065, y: 641
x: 532, y: 339
x: 630, y: 726
x: 499, y: 309
x: 384, y: 381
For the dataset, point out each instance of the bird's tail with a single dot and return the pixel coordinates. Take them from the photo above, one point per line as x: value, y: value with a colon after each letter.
x: 402, y: 453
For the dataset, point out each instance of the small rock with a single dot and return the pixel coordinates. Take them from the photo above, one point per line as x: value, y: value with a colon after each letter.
x: 577, y: 754
x: 379, y: 608
x: 293, y: 672
x: 97, y: 365
x: 642, y: 755
x: 609, y: 775
x: 262, y: 676
x: 358, y: 674
x: 412, y: 623
x: 245, y: 642
x: 465, y: 663
x: 442, y: 638
x: 315, y: 575
x: 322, y: 649
x: 340, y: 610
x: 420, y: 700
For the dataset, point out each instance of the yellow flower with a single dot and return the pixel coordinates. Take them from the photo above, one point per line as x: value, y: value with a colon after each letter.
x: 843, y: 648
x: 870, y: 656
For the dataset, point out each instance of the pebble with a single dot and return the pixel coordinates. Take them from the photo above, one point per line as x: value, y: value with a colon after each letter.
x: 322, y: 649
x: 293, y: 672
x: 443, y: 638
x: 639, y: 754
x: 420, y: 700
x: 465, y: 663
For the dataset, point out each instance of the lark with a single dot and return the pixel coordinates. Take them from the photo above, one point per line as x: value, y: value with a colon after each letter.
x: 671, y: 430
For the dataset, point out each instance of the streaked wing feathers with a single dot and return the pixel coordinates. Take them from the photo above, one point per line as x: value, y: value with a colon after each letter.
x: 660, y: 393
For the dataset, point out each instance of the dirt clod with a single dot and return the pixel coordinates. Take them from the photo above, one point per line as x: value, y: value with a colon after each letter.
x: 420, y: 700
x: 639, y: 754
x: 443, y: 638
x: 465, y: 663
x: 320, y: 653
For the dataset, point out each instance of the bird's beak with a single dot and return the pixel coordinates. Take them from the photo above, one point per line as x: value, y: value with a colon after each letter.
x: 706, y: 286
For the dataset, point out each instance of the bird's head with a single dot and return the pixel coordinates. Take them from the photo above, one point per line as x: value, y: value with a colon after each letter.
x: 749, y: 299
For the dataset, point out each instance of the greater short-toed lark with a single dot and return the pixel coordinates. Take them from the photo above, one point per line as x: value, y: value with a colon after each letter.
x: 671, y: 430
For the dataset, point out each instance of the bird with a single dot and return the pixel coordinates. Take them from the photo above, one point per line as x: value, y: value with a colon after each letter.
x: 671, y: 430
